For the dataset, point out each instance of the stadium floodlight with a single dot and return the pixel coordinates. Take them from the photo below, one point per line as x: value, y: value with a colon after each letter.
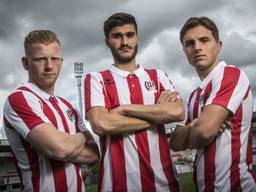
x: 79, y: 70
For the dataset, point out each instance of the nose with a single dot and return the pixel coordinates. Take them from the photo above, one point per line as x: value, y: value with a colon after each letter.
x: 124, y: 40
x: 197, y: 45
x: 48, y: 64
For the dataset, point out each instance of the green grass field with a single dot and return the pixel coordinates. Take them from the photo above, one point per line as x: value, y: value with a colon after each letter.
x: 186, y: 182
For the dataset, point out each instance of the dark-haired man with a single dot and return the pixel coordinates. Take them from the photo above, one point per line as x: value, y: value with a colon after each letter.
x: 223, y: 161
x: 127, y: 106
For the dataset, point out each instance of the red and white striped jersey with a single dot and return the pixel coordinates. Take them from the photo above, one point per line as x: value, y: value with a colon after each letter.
x: 225, y: 164
x: 25, y: 108
x: 139, y: 161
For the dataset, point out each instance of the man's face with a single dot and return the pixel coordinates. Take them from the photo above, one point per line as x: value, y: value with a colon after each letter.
x: 123, y: 43
x: 43, y: 64
x: 201, y: 48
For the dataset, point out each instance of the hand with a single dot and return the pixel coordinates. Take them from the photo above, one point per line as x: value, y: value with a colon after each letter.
x: 168, y: 96
x: 226, y: 125
x: 118, y: 110
x: 193, y: 122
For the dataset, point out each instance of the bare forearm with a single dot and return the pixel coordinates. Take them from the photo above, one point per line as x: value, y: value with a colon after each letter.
x: 119, y: 124
x: 157, y: 113
x: 180, y: 138
x: 55, y: 144
x: 75, y: 144
x: 197, y: 141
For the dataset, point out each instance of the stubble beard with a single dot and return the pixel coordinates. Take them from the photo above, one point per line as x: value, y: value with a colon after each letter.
x: 123, y: 60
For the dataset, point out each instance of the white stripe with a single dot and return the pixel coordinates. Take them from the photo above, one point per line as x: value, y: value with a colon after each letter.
x: 107, y: 178
x: 191, y: 106
x: 97, y: 98
x: 153, y: 141
x: 46, y: 183
x: 132, y: 165
x: 131, y: 157
x: 200, y: 169
x: 71, y: 177
x: 238, y: 93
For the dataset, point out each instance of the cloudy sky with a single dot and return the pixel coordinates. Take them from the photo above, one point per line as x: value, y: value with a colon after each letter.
x: 79, y: 25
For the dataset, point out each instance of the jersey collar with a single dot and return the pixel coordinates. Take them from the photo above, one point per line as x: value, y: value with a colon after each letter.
x: 212, y: 74
x: 37, y: 90
x: 138, y: 72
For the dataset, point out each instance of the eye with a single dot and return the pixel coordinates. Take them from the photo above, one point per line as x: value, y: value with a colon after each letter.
x: 56, y: 59
x: 39, y: 59
x: 189, y: 43
x: 204, y: 39
x: 130, y: 34
x: 116, y: 35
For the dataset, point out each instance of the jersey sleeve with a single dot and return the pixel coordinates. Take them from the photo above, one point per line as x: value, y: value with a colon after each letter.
x: 93, y: 91
x: 24, y: 111
x: 230, y: 90
x: 80, y: 123
x: 164, y: 82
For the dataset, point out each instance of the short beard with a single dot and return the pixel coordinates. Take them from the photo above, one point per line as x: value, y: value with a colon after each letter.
x: 122, y: 60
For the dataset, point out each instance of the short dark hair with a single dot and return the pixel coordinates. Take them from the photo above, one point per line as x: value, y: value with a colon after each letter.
x: 118, y: 19
x: 40, y: 36
x: 197, y: 21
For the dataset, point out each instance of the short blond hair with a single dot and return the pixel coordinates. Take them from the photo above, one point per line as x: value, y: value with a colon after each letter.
x: 39, y: 36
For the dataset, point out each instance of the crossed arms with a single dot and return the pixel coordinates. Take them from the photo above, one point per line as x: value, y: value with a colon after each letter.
x: 79, y: 148
x: 134, y: 117
x: 201, y: 131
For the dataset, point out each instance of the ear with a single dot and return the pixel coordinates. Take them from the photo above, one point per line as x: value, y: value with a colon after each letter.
x: 107, y: 42
x: 24, y: 60
x: 220, y: 45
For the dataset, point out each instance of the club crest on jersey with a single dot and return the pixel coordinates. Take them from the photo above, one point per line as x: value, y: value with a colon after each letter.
x: 150, y: 85
x: 201, y: 100
x: 70, y: 114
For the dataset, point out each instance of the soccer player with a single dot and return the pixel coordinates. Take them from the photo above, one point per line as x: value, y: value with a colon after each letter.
x: 45, y: 132
x: 127, y: 107
x: 223, y: 161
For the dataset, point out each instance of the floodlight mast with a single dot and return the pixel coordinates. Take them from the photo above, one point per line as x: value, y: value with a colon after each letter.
x: 79, y: 70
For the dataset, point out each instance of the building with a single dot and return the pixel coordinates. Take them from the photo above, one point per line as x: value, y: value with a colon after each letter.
x: 9, y: 178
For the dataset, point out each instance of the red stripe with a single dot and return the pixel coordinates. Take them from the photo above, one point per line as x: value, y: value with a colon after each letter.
x: 196, y: 104
x: 58, y: 167
x: 188, y: 106
x: 116, y: 145
x: 34, y: 164
x: 235, y: 150
x: 209, y: 168
x: 166, y: 160
x: 141, y: 139
x: 19, y: 104
x: 163, y: 144
x: 79, y: 179
x: 205, y: 95
x: 87, y: 92
x: 74, y: 112
x: 55, y: 104
x: 210, y: 150
x: 195, y: 115
x: 103, y: 140
x: 228, y: 84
